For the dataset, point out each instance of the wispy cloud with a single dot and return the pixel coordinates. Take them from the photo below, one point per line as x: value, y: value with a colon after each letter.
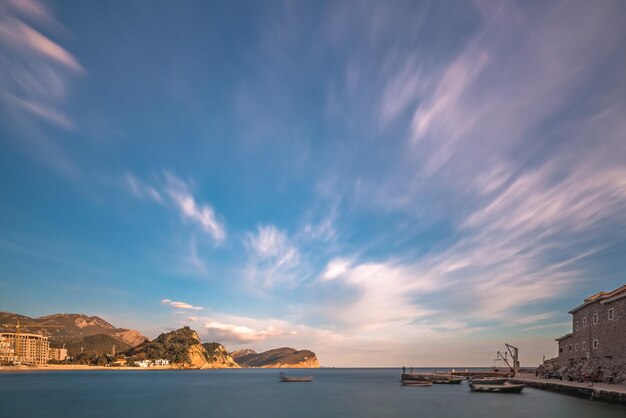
x: 176, y: 192
x: 181, y: 305
x: 141, y: 189
x: 199, y: 213
x: 384, y: 294
x: 273, y: 256
x: 37, y: 71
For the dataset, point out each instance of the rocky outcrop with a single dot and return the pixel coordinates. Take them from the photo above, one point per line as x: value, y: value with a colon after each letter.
x: 284, y: 357
x: 218, y: 357
x: 62, y: 327
x: 184, y: 349
x: 607, y: 370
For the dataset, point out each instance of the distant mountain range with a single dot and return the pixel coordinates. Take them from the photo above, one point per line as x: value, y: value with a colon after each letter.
x: 70, y: 328
x: 95, y: 336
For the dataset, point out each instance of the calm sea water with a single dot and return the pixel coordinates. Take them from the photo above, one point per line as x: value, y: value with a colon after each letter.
x: 258, y: 393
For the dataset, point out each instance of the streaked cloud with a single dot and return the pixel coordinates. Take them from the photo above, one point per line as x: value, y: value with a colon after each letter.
x: 200, y: 213
x: 181, y: 305
x: 38, y: 72
x: 273, y: 257
x: 179, y: 195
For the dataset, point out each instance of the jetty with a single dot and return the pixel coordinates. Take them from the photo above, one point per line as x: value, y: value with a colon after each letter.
x: 597, y: 391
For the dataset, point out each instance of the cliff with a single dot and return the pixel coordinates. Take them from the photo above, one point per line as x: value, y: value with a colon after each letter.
x: 284, y: 357
x: 218, y: 357
x: 71, y: 327
x: 184, y: 349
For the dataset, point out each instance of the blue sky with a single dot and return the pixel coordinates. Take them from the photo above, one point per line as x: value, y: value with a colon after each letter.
x: 383, y: 183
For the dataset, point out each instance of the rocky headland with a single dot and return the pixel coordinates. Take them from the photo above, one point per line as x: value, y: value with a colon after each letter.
x: 184, y: 349
x: 284, y: 357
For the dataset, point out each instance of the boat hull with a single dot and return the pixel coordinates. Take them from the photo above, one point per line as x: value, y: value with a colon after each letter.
x: 416, y: 383
x: 505, y: 388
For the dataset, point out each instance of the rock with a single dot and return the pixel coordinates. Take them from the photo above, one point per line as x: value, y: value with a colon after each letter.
x: 218, y: 357
x: 184, y: 349
x: 607, y: 369
x: 284, y: 357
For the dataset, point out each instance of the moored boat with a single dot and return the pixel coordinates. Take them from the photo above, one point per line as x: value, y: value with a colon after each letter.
x: 414, y: 382
x: 437, y: 378
x: 490, y: 381
x: 295, y: 378
x: 447, y: 381
x: 505, y: 387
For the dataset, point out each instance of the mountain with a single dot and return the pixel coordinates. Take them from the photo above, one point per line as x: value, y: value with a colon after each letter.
x: 66, y: 327
x: 184, y: 349
x: 284, y: 357
x: 242, y: 352
x: 92, y: 345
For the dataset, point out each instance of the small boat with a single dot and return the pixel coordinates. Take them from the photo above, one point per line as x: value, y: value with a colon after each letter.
x: 295, y: 378
x: 447, y: 381
x: 505, y: 387
x: 437, y: 378
x: 413, y: 382
x: 489, y: 381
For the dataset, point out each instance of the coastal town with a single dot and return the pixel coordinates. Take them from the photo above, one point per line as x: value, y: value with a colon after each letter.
x: 179, y: 349
x: 593, y: 353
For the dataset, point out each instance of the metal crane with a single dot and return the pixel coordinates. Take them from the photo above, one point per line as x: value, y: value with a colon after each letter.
x: 514, y: 352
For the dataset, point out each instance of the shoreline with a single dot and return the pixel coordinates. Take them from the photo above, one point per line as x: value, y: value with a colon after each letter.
x: 13, y: 369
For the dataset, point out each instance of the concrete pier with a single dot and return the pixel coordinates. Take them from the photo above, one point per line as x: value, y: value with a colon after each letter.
x: 596, y: 391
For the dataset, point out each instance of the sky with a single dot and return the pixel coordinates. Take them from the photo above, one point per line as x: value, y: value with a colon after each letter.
x: 384, y: 183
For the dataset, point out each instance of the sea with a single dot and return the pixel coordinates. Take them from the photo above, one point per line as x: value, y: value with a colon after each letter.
x: 225, y: 393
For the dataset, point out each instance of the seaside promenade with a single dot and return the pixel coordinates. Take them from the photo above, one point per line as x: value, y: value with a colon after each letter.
x: 596, y: 391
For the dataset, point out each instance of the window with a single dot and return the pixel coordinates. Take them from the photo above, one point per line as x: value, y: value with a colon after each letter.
x: 576, y: 326
x: 584, y: 345
x: 575, y: 347
x: 560, y: 349
x: 570, y: 348
x: 584, y: 321
x: 595, y: 318
x: 596, y: 344
x: 611, y: 314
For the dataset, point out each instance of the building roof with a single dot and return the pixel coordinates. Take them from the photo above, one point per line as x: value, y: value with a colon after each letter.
x: 564, y: 337
x: 603, y: 297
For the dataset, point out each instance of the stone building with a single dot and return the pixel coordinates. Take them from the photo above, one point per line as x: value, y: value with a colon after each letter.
x: 596, y: 347
x: 598, y: 328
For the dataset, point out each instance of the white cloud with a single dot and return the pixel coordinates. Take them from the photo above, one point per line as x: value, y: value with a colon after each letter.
x: 181, y: 305
x: 384, y: 295
x: 202, y: 214
x: 37, y: 71
x: 274, y: 258
x: 268, y: 242
x: 141, y: 189
x: 530, y: 319
x: 176, y: 192
x: 336, y: 268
